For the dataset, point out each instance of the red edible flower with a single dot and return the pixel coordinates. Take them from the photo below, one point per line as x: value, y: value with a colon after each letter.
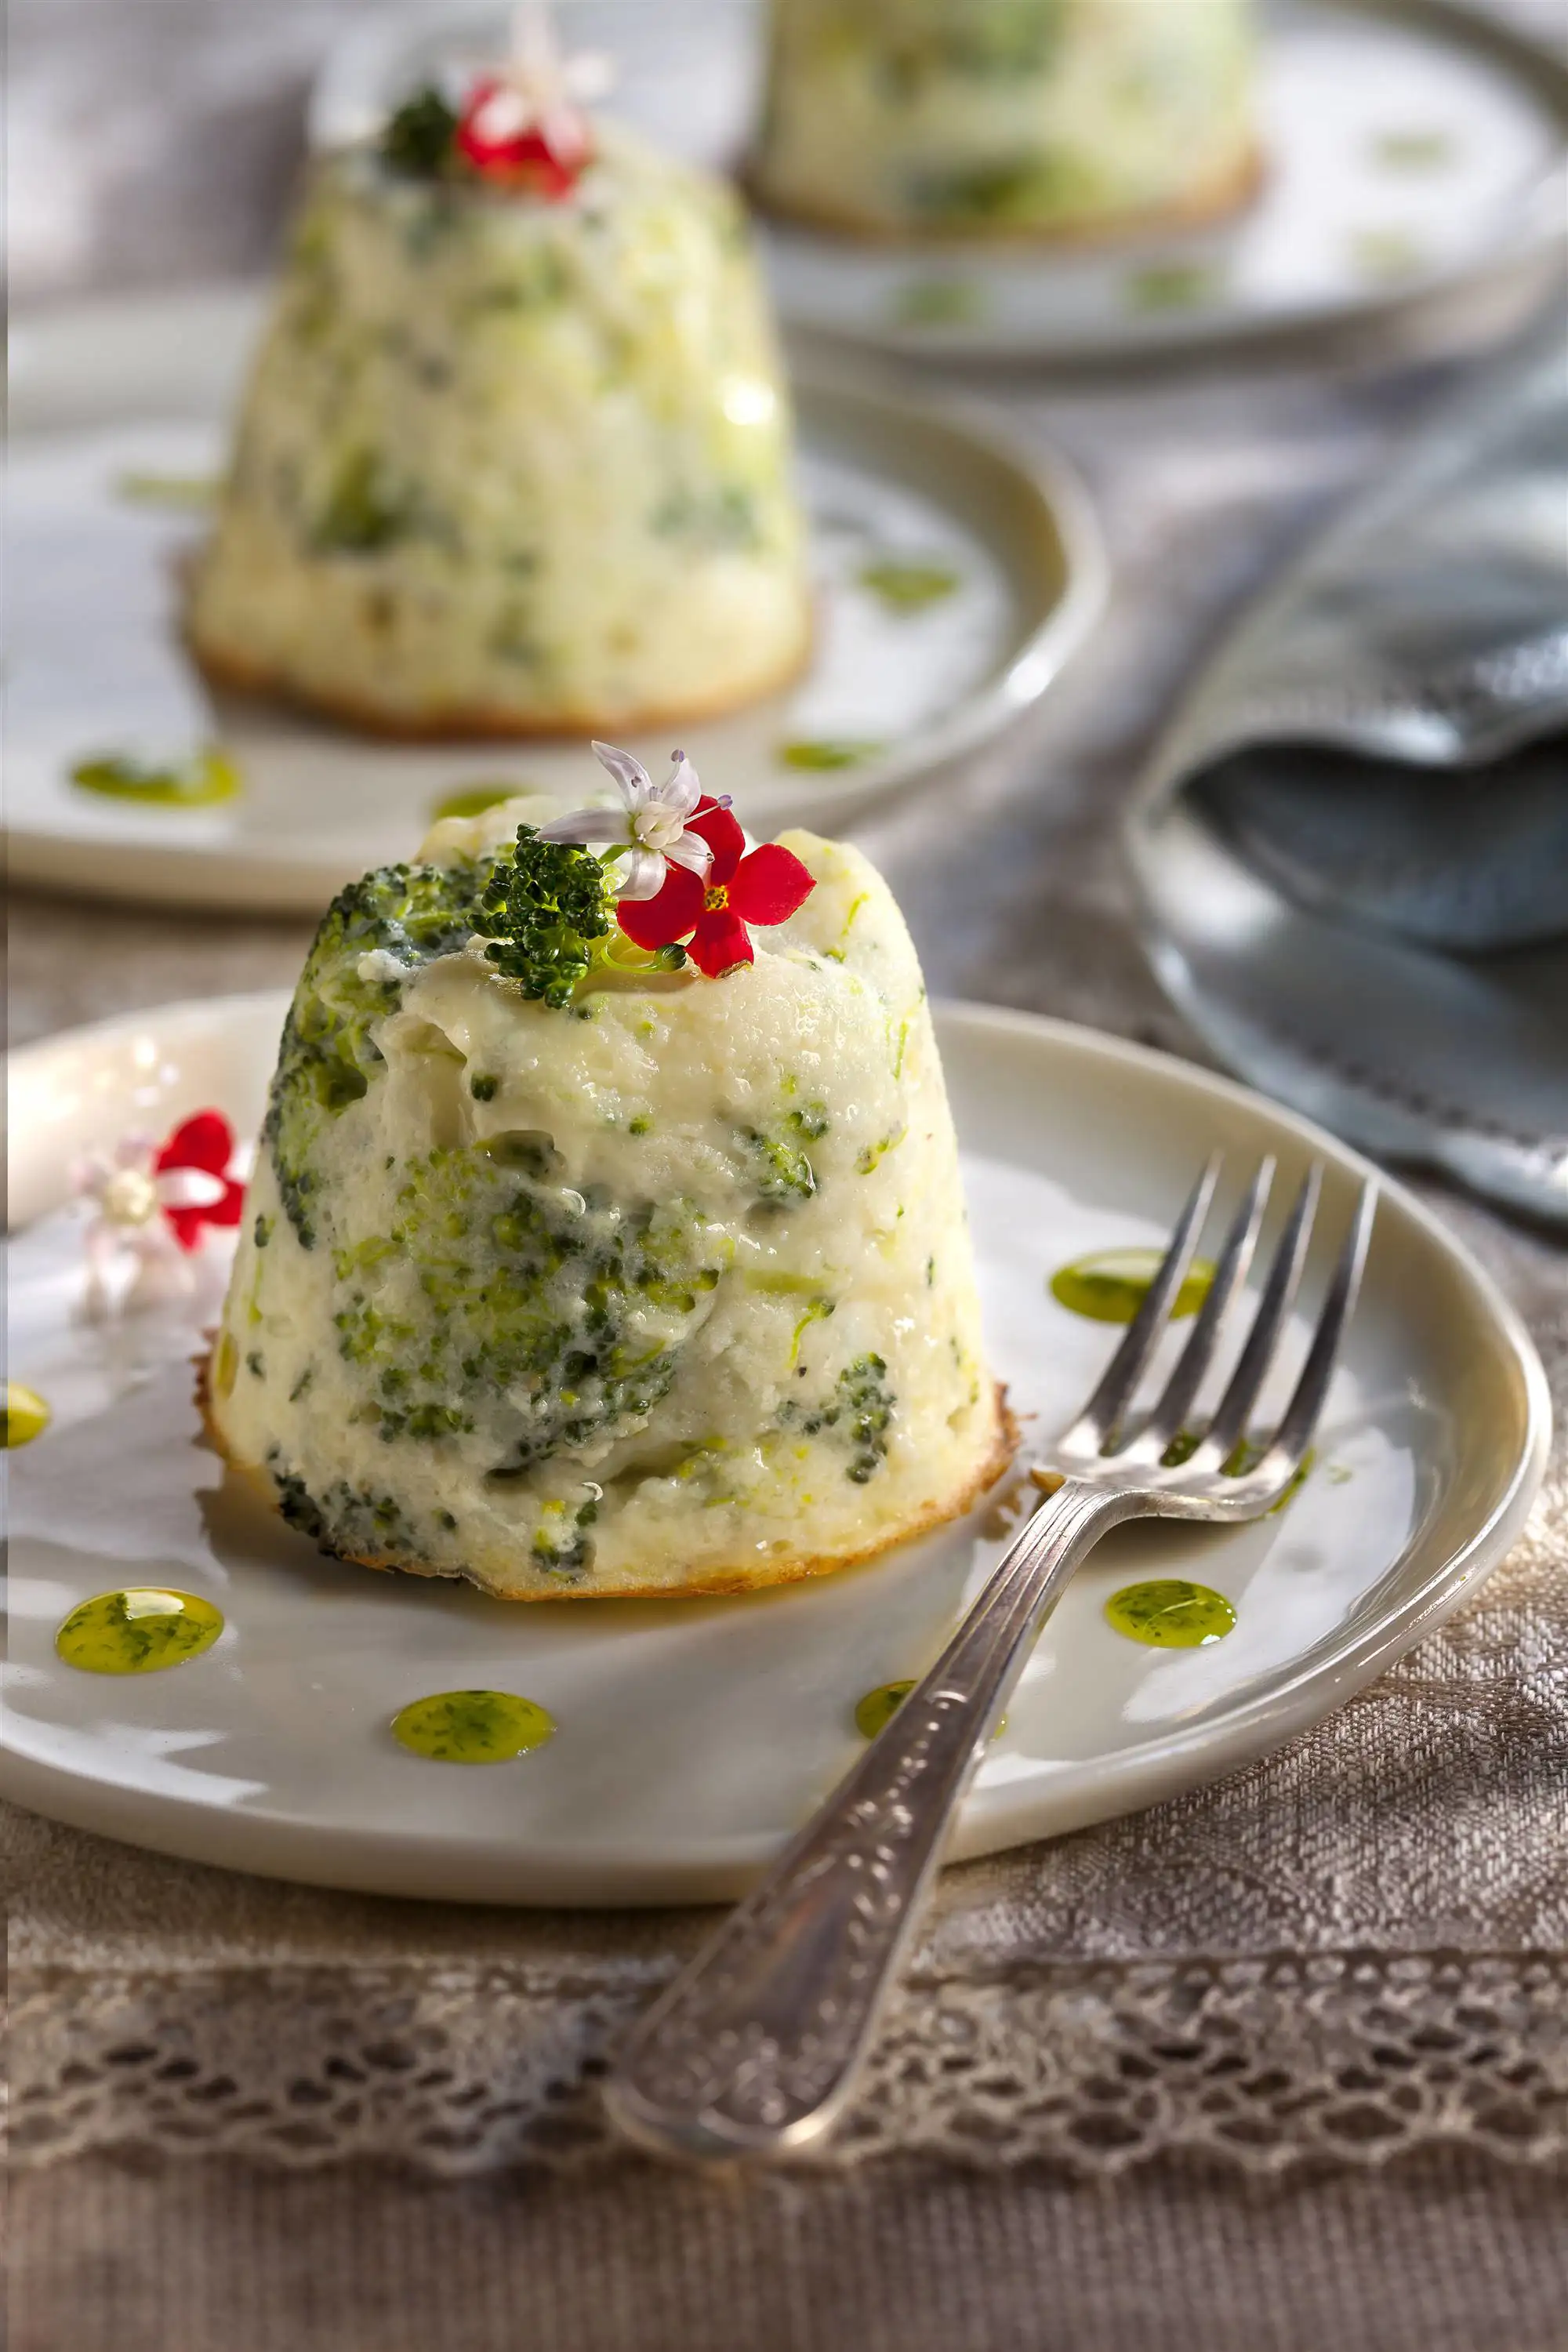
x: 205, y: 1143
x: 504, y: 140
x: 714, y: 909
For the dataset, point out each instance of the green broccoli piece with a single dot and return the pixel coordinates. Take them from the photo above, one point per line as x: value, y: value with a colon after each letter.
x: 365, y: 510
x: 869, y: 1403
x: 784, y: 1173
x: 545, y: 907
x: 344, y: 1521
x: 328, y: 1057
x: 420, y: 138
x: 496, y: 1280
x: 862, y: 1409
x: 566, y: 1550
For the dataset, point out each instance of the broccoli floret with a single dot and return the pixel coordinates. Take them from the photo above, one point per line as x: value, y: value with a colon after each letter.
x: 344, y: 1520
x: 562, y: 1548
x: 862, y: 1409
x: 495, y: 1281
x: 419, y: 139
x: 365, y: 510
x: 295, y: 1502
x: 784, y: 1172
x: 328, y: 1057
x: 544, y: 906
x: 868, y: 1404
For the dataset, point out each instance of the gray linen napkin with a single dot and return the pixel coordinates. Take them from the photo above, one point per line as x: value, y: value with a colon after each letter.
x: 1351, y: 847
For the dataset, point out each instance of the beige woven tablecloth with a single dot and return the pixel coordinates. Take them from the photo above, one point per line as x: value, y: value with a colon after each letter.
x: 1310, y: 2021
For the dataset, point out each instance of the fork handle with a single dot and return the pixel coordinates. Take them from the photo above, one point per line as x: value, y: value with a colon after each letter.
x: 755, y: 2047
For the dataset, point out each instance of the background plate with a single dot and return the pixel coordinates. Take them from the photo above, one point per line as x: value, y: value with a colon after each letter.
x: 112, y: 392
x: 694, y: 1735
x: 1411, y: 146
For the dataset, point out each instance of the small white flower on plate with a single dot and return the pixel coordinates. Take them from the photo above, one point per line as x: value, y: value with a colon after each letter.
x: 650, y: 826
x: 131, y: 1195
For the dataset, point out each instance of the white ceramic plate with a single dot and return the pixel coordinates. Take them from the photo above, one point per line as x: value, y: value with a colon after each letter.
x: 106, y: 395
x: 694, y: 1735
x: 1412, y: 146
x: 1408, y: 149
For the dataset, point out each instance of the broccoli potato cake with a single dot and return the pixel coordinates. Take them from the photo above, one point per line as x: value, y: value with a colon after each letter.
x: 626, y: 1280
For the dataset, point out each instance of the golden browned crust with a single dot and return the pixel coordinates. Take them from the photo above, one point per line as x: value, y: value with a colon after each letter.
x: 1208, y: 202
x: 230, y: 672
x: 713, y: 1584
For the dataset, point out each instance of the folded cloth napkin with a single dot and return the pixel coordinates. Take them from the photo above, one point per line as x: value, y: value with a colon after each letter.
x: 1351, y: 847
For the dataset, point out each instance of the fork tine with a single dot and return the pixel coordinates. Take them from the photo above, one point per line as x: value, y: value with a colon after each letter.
x: 1235, y: 1407
x: 1294, y: 1432
x: 1131, y: 1359
x: 1166, y: 1420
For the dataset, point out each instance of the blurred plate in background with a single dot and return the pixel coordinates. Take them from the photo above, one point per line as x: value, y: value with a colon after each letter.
x: 121, y: 409
x: 1411, y: 147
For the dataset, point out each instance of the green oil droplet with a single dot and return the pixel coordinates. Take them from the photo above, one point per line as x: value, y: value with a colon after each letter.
x: 1169, y: 1613
x: 1239, y: 1460
x: 1413, y: 150
x: 207, y: 776
x: 475, y: 800
x: 26, y: 1414
x: 823, y: 752
x: 1384, y: 256
x: 472, y: 1726
x: 1250, y: 1452
x: 187, y: 492
x: 908, y: 587
x: 1109, y: 1286
x: 137, y: 1631
x: 939, y: 302
x: 878, y: 1706
x: 1173, y: 286
x: 875, y: 1709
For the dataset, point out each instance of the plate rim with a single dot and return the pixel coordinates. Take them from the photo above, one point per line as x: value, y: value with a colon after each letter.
x: 1175, y: 1760
x: 240, y: 878
x: 1538, y: 231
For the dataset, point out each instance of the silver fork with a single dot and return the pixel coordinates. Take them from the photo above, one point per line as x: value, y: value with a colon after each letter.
x: 754, y: 2049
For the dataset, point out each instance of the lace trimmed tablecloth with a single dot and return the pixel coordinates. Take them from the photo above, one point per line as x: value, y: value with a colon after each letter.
x: 1354, y: 1949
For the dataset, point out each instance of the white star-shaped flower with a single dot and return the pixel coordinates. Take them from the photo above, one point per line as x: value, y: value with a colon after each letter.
x: 129, y: 1193
x: 538, y: 88
x: 650, y: 826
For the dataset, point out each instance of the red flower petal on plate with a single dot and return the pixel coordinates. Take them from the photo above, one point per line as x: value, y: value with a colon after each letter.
x: 205, y: 1141
x: 188, y: 1226
x: 230, y: 1209
x: 721, y: 831
x: 658, y: 921
x: 770, y: 885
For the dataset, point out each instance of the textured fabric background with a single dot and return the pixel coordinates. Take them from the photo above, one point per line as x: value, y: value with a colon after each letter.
x: 1443, y: 2257
x: 1278, y: 2066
